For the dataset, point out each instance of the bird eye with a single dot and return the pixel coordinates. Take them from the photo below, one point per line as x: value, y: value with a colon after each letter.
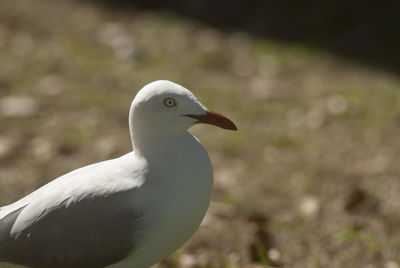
x: 169, y: 102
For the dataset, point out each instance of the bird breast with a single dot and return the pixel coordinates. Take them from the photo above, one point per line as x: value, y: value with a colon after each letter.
x: 177, y: 195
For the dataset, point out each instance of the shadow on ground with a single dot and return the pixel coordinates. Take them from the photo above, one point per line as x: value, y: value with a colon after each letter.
x: 364, y: 31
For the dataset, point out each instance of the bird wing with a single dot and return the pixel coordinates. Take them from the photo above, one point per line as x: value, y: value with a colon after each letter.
x: 86, y: 218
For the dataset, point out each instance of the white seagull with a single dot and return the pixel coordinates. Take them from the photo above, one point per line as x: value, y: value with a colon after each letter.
x: 131, y: 211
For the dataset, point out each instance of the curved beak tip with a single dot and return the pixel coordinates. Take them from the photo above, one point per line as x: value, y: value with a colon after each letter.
x: 214, y: 119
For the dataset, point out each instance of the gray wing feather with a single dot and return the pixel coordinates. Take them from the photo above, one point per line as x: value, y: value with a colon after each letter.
x: 85, y: 218
x: 5, y: 228
x: 94, y: 232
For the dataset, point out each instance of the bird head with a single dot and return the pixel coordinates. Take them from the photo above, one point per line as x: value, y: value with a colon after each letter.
x: 167, y: 106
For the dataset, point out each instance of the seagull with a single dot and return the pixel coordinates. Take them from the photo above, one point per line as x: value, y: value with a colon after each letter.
x: 131, y: 211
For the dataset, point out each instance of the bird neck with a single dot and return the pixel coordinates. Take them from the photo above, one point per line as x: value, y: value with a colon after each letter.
x: 146, y: 141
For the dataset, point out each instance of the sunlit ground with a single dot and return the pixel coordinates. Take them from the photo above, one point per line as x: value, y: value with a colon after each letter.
x: 311, y: 179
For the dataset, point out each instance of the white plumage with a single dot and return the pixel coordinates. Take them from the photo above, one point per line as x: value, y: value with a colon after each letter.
x: 130, y: 211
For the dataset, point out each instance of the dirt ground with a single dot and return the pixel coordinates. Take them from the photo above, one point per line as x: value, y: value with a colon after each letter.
x: 311, y: 179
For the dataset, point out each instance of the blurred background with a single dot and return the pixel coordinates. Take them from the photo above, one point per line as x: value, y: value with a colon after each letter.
x: 312, y: 177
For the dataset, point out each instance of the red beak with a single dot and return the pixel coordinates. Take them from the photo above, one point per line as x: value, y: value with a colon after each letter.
x: 214, y: 119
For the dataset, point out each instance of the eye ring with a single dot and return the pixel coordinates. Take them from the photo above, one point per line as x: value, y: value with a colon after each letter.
x: 169, y: 102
